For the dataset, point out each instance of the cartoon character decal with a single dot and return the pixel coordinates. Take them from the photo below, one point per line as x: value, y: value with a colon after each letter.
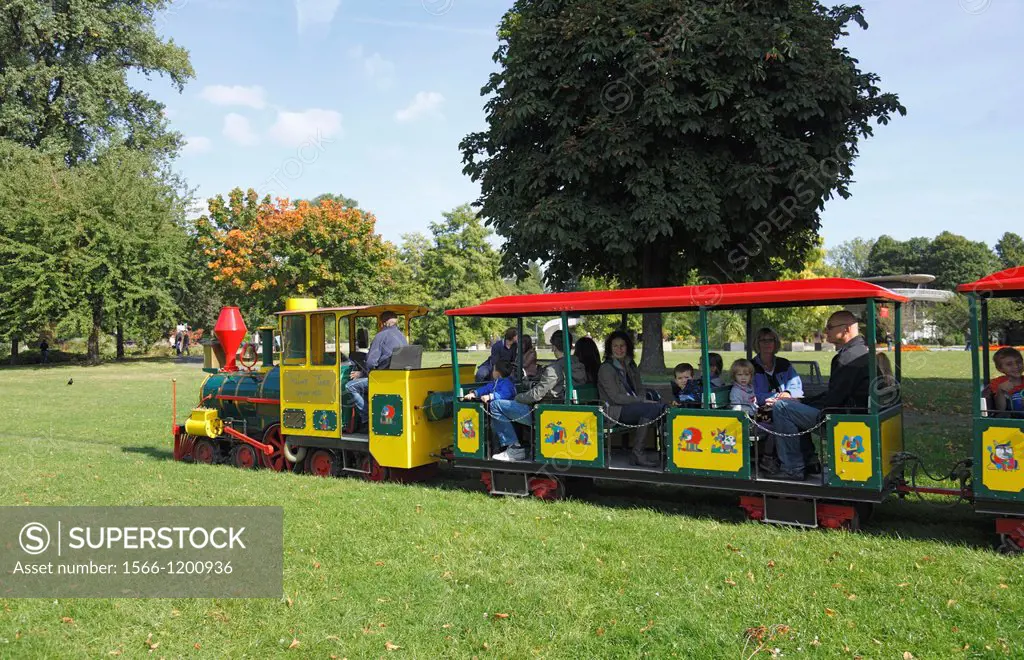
x: 467, y: 429
x: 582, y: 437
x: 690, y: 437
x: 852, y: 449
x: 1001, y: 458
x: 723, y: 443
x: 387, y: 414
x: 557, y: 433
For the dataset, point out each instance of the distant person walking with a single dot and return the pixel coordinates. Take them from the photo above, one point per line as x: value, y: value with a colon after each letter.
x: 44, y: 351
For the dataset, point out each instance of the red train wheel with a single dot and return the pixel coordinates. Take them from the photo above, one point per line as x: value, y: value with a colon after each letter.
x: 372, y: 470
x: 276, y: 461
x: 322, y: 463
x: 244, y: 456
x: 204, y: 452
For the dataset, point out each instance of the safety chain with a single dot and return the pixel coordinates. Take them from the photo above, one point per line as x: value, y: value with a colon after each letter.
x: 634, y: 426
x: 487, y: 411
x: 771, y: 431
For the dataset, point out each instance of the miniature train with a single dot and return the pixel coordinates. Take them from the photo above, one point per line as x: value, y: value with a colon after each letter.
x: 294, y: 414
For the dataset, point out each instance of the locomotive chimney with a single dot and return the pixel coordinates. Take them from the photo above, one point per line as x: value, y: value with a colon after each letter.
x: 230, y: 331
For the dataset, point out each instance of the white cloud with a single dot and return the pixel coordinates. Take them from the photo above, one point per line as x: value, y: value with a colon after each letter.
x: 293, y: 129
x: 238, y: 130
x: 425, y: 103
x: 253, y: 97
x: 315, y: 12
x: 375, y: 67
x: 196, y: 144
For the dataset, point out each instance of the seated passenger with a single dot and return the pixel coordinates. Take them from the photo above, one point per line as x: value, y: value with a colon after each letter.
x: 685, y: 387
x: 1006, y: 389
x: 500, y: 387
x: 848, y: 384
x: 381, y: 348
x: 623, y: 391
x: 717, y: 365
x: 774, y: 377
x: 550, y: 387
x: 529, y: 357
x: 587, y: 352
x: 741, y: 396
x: 503, y: 349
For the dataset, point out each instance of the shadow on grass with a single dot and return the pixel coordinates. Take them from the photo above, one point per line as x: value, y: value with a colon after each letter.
x: 152, y: 452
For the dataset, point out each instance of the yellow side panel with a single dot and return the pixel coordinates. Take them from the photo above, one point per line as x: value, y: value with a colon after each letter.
x: 1002, y: 470
x: 852, y: 447
x: 707, y: 443
x: 416, y: 441
x: 469, y: 427
x: 309, y: 401
x: 568, y: 435
x: 892, y: 440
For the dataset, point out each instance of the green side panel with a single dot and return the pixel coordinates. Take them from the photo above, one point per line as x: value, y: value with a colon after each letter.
x: 704, y: 443
x: 587, y: 393
x: 998, y: 459
x: 852, y: 452
x: 293, y: 418
x: 470, y: 424
x: 566, y: 434
x: 325, y: 420
x: 389, y: 413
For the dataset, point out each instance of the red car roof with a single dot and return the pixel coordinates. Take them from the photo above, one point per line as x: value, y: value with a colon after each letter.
x: 827, y: 290
x: 1011, y: 279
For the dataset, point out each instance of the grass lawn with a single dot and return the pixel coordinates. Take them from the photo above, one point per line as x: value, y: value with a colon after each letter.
x: 443, y: 570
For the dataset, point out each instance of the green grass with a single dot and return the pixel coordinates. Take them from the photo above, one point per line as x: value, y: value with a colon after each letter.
x: 623, y: 571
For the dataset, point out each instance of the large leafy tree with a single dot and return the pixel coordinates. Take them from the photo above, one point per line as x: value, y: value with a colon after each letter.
x: 259, y: 252
x: 455, y: 267
x: 64, y: 68
x: 641, y: 139
x: 850, y: 258
x: 954, y: 260
x: 889, y: 256
x: 1010, y: 249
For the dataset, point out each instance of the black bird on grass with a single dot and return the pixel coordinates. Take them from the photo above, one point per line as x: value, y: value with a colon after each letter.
x: 71, y: 381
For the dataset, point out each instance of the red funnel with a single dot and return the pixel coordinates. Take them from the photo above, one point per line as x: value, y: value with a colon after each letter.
x: 230, y: 331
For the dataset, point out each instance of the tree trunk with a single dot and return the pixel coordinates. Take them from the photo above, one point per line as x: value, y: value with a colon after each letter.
x: 655, y: 274
x: 120, y: 341
x: 15, y: 341
x: 94, y: 336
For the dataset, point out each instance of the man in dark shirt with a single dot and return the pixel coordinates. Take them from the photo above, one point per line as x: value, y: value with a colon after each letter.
x: 381, y: 348
x: 848, y: 385
x: 503, y: 349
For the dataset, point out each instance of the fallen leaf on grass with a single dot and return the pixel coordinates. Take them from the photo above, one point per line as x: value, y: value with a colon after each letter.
x: 1003, y: 586
x: 500, y: 615
x: 750, y: 575
x: 446, y: 626
x: 650, y: 624
x: 907, y: 655
x: 730, y: 546
x: 730, y: 582
x: 830, y: 611
x: 316, y: 564
x: 175, y: 613
x: 950, y: 603
x: 150, y: 643
x: 876, y: 641
x: 197, y: 646
x: 115, y: 652
x: 295, y: 644
x: 391, y: 647
x: 600, y: 632
x: 903, y: 584
x: 852, y: 597
x: 378, y: 563
x: 771, y: 563
x: 66, y: 619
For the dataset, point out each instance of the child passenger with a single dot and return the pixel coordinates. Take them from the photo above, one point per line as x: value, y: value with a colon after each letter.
x: 742, y: 396
x: 685, y: 388
x: 501, y: 387
x: 716, y: 369
x: 1007, y: 388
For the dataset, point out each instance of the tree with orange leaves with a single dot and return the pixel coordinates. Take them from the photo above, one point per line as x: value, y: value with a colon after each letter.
x: 259, y: 252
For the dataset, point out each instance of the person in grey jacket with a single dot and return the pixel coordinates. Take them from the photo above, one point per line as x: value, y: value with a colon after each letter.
x: 549, y: 387
x: 623, y: 391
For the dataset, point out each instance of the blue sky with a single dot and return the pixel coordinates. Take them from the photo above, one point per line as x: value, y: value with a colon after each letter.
x: 370, y: 99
